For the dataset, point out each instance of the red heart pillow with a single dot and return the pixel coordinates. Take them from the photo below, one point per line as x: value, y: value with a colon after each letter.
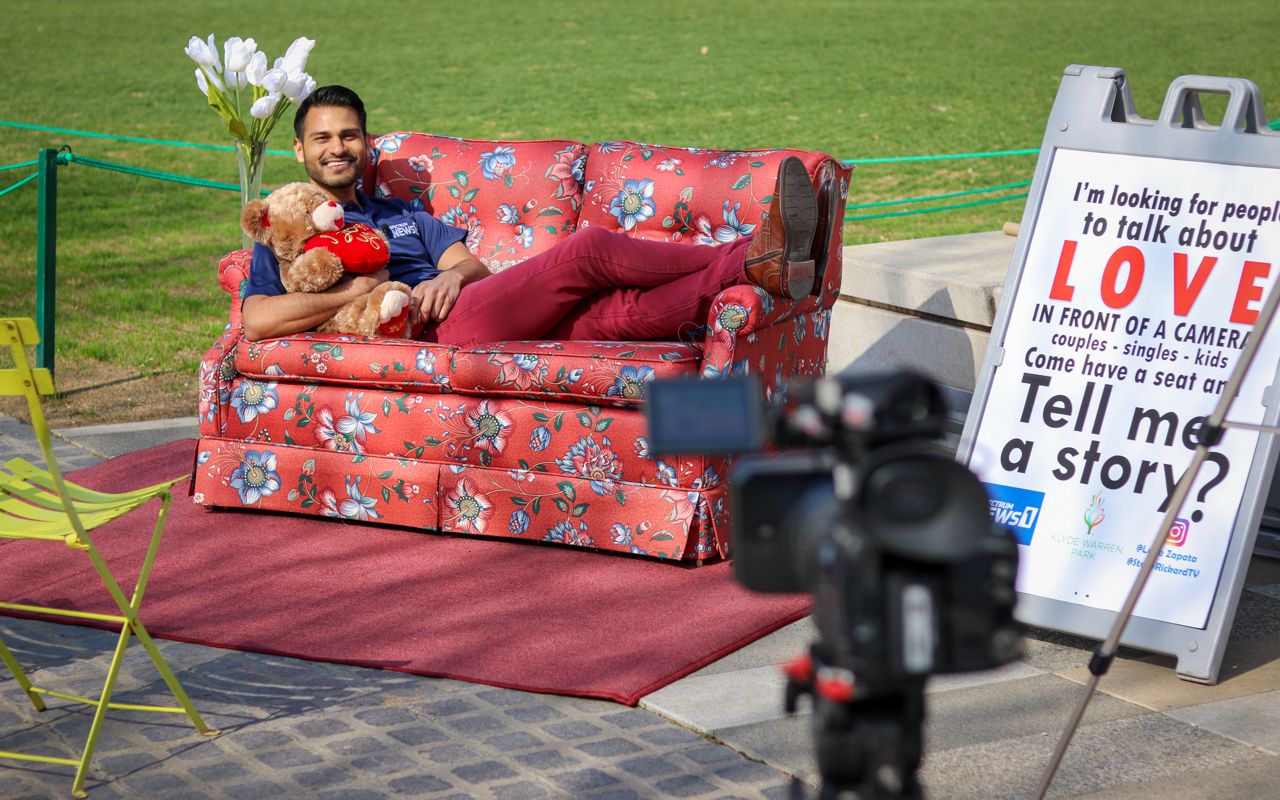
x: 360, y: 248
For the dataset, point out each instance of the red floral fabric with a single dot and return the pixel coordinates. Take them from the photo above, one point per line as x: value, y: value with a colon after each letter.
x: 346, y: 360
x: 533, y: 440
x: 604, y: 373
x: 644, y: 520
x: 515, y: 199
x: 610, y: 373
x: 608, y: 446
x: 692, y: 195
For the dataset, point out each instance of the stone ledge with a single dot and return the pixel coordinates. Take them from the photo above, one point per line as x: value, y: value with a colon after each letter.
x: 954, y: 277
x: 928, y: 304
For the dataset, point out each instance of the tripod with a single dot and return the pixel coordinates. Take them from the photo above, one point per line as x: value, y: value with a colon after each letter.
x: 867, y: 747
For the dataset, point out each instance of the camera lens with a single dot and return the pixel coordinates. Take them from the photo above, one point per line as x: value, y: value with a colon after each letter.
x: 906, y: 491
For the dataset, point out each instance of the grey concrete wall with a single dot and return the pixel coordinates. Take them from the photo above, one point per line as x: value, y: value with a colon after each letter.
x: 924, y: 303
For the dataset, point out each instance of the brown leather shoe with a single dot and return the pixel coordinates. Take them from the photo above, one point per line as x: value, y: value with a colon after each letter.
x: 829, y: 214
x: 779, y: 258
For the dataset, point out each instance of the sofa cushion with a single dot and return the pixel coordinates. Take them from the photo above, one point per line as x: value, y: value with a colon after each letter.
x: 681, y: 194
x: 516, y: 199
x: 600, y: 373
x: 348, y: 361
x: 605, y: 373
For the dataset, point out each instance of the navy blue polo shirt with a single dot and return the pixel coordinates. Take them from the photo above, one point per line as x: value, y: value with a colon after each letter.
x: 416, y: 240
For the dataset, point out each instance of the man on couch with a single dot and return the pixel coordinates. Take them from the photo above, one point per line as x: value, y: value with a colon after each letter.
x: 596, y: 284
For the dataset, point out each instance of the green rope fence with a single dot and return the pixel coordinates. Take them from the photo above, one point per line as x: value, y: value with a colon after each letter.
x: 137, y: 139
x: 143, y: 172
x: 942, y: 157
x: 49, y: 160
x: 988, y: 201
x: 25, y: 180
x: 69, y: 158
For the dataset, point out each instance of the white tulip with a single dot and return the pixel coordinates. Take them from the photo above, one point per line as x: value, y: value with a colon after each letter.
x: 236, y: 80
x: 238, y: 52
x: 200, y: 52
x: 265, y: 105
x: 202, y: 82
x: 308, y: 87
x: 295, y: 58
x: 295, y: 86
x: 256, y: 68
x: 274, y: 80
x: 213, y: 51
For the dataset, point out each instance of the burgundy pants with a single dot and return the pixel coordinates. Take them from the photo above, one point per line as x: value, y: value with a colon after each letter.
x: 596, y: 284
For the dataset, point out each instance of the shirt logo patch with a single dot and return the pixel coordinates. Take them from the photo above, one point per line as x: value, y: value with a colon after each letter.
x: 399, y: 229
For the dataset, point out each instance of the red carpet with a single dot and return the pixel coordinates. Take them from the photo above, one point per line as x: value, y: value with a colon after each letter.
x: 533, y: 617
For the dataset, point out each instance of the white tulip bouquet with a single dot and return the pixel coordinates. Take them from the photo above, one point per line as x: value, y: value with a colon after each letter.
x: 249, y: 96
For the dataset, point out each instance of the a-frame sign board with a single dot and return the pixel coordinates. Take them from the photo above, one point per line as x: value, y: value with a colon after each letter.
x: 1145, y: 251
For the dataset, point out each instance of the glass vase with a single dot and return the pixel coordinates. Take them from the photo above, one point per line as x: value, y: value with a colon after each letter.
x: 249, y: 158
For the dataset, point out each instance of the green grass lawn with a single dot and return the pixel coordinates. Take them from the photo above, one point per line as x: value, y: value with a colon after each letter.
x: 867, y: 79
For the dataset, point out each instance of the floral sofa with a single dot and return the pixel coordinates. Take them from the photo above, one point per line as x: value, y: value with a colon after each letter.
x: 538, y: 440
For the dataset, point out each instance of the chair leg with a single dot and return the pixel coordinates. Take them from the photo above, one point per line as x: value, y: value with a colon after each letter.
x: 130, y: 609
x: 21, y: 677
x: 104, y: 702
x: 171, y: 680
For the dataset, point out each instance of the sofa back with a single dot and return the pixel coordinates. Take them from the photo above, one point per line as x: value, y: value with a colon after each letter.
x: 681, y: 194
x: 519, y: 198
x: 516, y: 199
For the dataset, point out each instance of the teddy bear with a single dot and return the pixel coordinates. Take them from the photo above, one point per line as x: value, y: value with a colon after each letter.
x: 305, y: 231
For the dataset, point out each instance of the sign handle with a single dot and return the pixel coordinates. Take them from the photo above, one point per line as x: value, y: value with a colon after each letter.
x: 1244, y: 114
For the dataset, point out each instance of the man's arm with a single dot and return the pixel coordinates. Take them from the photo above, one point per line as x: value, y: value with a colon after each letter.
x: 437, y: 295
x: 267, y: 316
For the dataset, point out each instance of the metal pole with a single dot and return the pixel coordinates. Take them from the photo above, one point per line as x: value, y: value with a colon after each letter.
x: 47, y: 256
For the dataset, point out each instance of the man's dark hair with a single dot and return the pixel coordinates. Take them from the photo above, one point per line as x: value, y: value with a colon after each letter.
x: 331, y: 95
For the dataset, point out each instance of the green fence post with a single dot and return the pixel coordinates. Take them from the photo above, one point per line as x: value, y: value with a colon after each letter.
x: 46, y: 256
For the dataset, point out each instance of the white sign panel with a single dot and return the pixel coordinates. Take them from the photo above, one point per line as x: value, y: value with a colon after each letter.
x: 1143, y: 277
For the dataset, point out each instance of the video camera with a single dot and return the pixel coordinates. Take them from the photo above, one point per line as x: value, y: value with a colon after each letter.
x: 892, y: 536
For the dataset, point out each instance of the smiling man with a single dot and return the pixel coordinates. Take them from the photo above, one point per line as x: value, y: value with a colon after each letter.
x: 596, y: 284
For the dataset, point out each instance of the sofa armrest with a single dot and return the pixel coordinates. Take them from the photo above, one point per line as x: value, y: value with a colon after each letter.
x: 217, y: 368
x: 753, y: 332
x: 233, y: 271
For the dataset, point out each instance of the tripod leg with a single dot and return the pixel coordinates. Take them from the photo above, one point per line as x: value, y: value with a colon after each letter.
x: 871, y: 747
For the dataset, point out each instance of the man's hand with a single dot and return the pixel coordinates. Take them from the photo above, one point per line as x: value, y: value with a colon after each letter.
x: 435, y: 297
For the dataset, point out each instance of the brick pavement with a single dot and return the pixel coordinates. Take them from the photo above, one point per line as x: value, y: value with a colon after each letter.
x: 293, y: 728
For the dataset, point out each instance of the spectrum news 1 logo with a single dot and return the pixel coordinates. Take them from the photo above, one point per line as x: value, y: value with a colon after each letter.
x: 1017, y: 508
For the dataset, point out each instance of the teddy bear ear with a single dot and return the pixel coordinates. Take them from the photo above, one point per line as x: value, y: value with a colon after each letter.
x: 255, y: 221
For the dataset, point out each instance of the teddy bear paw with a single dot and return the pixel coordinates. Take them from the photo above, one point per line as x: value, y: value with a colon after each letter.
x: 393, y: 313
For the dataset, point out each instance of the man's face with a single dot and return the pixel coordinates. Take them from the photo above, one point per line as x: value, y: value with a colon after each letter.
x: 333, y: 149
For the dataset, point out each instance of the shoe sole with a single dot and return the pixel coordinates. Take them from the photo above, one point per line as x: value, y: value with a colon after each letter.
x: 799, y: 209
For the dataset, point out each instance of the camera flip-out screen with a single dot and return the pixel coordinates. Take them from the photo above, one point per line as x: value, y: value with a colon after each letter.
x: 705, y: 416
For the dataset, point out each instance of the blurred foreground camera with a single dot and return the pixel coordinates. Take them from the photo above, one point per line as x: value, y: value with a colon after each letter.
x: 893, y: 538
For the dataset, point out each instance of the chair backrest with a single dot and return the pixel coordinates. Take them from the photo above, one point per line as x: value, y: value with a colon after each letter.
x: 19, y: 333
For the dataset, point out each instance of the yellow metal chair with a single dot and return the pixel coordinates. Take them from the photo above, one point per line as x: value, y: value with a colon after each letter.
x: 38, y: 505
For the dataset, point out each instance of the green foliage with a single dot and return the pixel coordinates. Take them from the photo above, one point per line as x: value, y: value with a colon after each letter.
x: 867, y: 79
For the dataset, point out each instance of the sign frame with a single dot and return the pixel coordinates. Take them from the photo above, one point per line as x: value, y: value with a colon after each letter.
x: 1094, y: 112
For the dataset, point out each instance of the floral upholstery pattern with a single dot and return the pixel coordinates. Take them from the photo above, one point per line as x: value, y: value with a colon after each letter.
x: 515, y: 199
x: 710, y: 197
x: 542, y: 441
